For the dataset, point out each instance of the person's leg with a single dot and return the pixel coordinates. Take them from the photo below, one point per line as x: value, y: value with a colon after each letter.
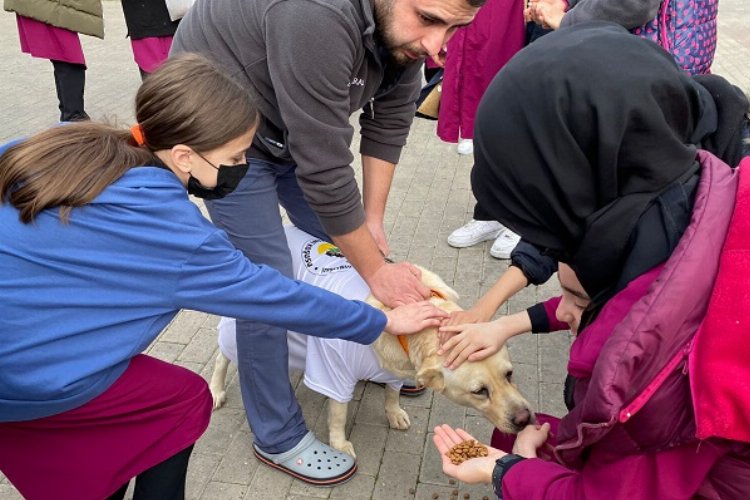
x: 480, y: 214
x: 298, y: 210
x: 70, y: 80
x: 164, y: 481
x: 153, y: 409
x: 250, y: 216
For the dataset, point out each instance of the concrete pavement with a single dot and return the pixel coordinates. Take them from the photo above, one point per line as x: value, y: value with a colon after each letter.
x: 430, y: 197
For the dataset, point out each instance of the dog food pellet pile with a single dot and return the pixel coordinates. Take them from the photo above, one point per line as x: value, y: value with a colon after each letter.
x: 465, y: 450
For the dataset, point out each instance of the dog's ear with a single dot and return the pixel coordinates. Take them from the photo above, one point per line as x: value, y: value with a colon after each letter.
x: 431, y: 377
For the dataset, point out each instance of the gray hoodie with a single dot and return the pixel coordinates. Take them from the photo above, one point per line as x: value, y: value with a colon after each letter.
x: 311, y: 64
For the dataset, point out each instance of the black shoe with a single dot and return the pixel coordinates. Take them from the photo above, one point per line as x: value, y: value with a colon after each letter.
x: 412, y: 391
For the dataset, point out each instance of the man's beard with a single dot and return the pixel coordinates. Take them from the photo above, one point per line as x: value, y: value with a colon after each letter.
x: 384, y: 36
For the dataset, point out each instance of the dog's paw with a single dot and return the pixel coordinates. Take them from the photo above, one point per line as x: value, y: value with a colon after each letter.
x: 398, y: 419
x: 345, y: 446
x: 219, y: 398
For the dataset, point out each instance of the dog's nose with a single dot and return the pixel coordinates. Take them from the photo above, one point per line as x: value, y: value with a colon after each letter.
x: 522, y: 418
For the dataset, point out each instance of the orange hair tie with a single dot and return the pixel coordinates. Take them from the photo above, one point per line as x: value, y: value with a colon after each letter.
x: 137, y: 132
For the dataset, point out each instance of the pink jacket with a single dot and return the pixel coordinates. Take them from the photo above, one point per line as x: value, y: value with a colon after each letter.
x: 475, y: 54
x: 632, y: 433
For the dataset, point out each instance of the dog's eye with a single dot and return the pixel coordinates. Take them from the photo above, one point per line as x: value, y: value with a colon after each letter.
x: 509, y: 376
x: 482, y: 392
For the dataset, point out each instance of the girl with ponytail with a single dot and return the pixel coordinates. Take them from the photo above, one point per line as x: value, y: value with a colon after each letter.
x: 100, y: 248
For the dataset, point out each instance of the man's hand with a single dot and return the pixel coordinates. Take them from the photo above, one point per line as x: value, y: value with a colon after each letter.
x: 392, y: 284
x: 398, y: 284
x: 413, y: 318
x: 474, y: 470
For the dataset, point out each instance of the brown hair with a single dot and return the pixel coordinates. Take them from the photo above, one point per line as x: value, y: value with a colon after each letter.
x: 188, y: 100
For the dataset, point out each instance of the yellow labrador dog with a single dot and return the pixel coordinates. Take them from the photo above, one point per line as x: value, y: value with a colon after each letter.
x: 332, y: 366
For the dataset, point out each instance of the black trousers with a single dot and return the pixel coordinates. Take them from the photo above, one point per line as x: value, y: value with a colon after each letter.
x: 164, y: 481
x: 70, y: 80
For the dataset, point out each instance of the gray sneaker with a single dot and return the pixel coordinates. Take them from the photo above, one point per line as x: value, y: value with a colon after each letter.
x: 475, y: 231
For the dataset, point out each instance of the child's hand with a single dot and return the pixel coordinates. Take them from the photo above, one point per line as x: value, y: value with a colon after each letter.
x: 473, y: 342
x: 474, y: 470
x: 413, y: 318
x: 530, y: 439
x: 546, y: 13
x: 459, y: 318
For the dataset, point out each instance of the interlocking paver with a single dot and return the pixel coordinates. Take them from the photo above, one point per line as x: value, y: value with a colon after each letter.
x: 431, y: 196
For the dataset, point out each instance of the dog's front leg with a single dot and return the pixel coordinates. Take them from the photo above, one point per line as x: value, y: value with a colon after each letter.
x: 218, y: 380
x: 397, y: 417
x: 337, y: 427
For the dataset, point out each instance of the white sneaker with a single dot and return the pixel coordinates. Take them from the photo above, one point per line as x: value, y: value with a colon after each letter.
x: 465, y: 147
x: 504, y: 244
x: 475, y: 231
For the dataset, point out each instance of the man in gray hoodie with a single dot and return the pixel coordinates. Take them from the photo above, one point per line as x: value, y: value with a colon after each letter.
x: 311, y: 64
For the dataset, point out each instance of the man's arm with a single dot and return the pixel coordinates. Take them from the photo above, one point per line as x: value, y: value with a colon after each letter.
x: 377, y: 176
x: 392, y: 284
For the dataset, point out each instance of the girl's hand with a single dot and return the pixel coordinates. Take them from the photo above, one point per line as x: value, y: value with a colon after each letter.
x: 474, y: 470
x: 473, y: 342
x: 480, y: 340
x: 413, y: 318
x: 531, y: 439
x: 460, y: 318
x: 547, y: 13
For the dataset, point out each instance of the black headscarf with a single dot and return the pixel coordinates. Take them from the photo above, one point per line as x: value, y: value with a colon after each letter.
x: 578, y: 135
x: 731, y: 105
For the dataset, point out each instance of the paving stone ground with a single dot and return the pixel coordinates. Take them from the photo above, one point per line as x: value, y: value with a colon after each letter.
x: 430, y: 197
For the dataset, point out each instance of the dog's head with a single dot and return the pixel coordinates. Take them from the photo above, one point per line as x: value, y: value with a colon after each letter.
x: 485, y: 385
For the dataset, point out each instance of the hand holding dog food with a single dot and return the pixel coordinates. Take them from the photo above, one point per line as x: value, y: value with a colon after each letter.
x: 456, y: 445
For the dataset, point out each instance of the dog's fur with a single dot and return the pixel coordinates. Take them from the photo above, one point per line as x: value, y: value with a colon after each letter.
x: 484, y: 385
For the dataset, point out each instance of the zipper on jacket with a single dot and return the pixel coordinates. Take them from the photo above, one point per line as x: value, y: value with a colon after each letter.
x: 640, y: 401
x: 372, y: 107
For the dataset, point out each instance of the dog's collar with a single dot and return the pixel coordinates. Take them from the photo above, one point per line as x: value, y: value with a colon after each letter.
x: 404, y: 343
x: 402, y: 338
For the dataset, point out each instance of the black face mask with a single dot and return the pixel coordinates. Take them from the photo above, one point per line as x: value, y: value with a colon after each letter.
x: 227, y: 180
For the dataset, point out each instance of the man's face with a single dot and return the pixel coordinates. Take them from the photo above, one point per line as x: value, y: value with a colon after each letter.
x: 413, y: 29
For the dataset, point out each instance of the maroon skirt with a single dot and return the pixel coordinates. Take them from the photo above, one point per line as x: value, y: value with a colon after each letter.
x: 154, y: 410
x: 49, y: 42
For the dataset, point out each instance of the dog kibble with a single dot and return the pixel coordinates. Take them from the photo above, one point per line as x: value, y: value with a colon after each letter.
x: 466, y: 450
x: 434, y: 496
x: 466, y: 495
x: 454, y: 493
x: 412, y: 491
x: 451, y: 481
x: 485, y: 498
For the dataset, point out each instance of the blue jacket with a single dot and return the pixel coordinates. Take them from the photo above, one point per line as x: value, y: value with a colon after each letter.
x: 79, y: 300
